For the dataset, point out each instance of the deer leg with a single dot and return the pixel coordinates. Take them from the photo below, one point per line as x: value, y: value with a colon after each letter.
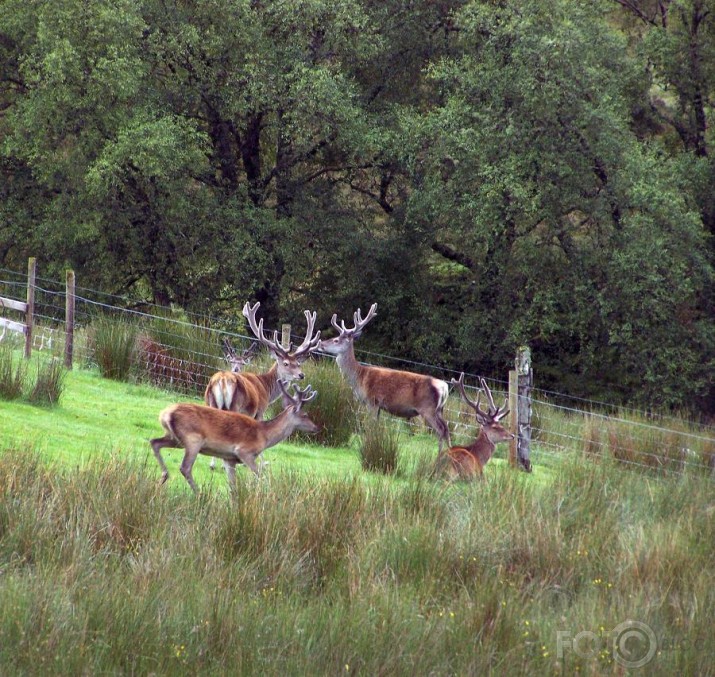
x: 190, y: 454
x: 157, y: 444
x: 248, y: 459
x: 230, y: 468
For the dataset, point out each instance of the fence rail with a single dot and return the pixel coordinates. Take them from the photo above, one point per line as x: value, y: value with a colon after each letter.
x: 64, y: 317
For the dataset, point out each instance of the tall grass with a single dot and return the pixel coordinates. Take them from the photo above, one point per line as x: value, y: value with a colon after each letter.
x: 45, y: 387
x: 49, y: 383
x: 13, y: 374
x: 113, y: 345
x: 106, y: 572
x: 379, y: 444
x: 334, y: 409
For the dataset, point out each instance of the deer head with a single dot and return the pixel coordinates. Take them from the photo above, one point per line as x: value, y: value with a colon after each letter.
x: 488, y: 420
x: 293, y: 404
x: 288, y: 361
x: 238, y: 362
x: 342, y: 342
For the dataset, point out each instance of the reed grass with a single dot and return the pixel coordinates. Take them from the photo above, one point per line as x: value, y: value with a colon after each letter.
x: 106, y: 572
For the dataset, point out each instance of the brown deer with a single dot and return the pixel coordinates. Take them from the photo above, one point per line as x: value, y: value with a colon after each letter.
x: 468, y: 462
x: 237, y: 362
x: 234, y: 438
x: 250, y: 393
x: 401, y: 393
x: 223, y: 380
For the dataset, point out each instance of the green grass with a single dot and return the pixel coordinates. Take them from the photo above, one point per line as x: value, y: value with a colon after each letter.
x: 320, y: 568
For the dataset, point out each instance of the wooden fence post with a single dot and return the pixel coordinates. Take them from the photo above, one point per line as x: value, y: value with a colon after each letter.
x: 30, y: 311
x: 521, y: 380
x: 285, y: 336
x: 69, y: 318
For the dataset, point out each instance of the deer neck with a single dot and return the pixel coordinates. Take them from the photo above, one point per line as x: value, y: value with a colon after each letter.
x: 350, y: 368
x: 482, y: 448
x: 278, y: 428
x: 269, y: 379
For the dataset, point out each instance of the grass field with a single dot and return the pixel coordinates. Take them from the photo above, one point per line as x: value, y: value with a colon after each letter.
x: 320, y: 568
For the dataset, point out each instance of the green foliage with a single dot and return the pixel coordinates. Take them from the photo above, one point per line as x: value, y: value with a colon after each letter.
x: 49, y: 383
x: 491, y: 174
x: 334, y: 408
x: 379, y: 447
x: 112, y: 347
x: 13, y: 374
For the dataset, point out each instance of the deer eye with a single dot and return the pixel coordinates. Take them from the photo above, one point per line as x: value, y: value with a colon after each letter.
x: 286, y: 363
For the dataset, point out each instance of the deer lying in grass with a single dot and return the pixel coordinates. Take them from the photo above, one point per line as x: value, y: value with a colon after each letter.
x: 232, y: 437
x: 401, y: 393
x: 468, y: 462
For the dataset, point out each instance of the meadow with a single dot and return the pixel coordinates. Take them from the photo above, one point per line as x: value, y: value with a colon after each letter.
x: 319, y: 567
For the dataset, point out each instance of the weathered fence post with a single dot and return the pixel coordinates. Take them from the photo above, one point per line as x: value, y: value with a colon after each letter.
x: 521, y: 380
x: 69, y: 318
x: 30, y: 310
x: 285, y: 336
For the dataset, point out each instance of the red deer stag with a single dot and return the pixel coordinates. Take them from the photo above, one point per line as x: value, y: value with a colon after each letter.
x: 401, y: 393
x: 223, y: 380
x: 249, y: 393
x: 232, y: 437
x: 235, y: 361
x: 468, y: 462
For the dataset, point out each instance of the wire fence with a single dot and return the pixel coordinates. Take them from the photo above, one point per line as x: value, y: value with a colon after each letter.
x: 180, y: 351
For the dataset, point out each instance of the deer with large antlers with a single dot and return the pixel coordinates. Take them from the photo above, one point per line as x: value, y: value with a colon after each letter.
x: 234, y: 438
x: 400, y: 393
x: 250, y: 393
x: 468, y: 462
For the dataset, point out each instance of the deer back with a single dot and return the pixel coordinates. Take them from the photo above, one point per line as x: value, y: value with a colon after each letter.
x: 401, y: 393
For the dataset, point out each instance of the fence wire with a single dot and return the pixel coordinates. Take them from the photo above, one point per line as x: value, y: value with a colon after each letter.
x: 182, y: 353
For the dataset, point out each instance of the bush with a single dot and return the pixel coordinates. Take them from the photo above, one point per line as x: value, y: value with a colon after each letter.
x: 379, y: 444
x: 50, y: 383
x: 113, y: 344
x: 12, y: 374
x: 178, y: 355
x: 334, y: 409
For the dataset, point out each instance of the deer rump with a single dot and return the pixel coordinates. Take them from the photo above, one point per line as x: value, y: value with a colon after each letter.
x: 401, y: 393
x: 235, y: 392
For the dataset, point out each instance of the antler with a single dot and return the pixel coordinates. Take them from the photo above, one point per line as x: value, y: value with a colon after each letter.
x: 357, y: 319
x: 300, y: 397
x: 310, y: 343
x: 257, y: 328
x: 494, y: 413
x: 460, y: 384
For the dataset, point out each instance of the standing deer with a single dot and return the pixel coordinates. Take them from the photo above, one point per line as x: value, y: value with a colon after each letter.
x: 223, y: 381
x: 232, y: 437
x: 250, y: 393
x: 401, y: 393
x: 235, y: 361
x: 468, y: 462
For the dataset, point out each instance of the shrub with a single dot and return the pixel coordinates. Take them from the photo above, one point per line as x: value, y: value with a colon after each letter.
x: 50, y: 383
x: 379, y: 444
x: 12, y: 374
x: 113, y: 344
x: 334, y: 409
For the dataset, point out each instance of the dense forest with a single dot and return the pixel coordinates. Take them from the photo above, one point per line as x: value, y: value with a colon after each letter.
x: 491, y: 172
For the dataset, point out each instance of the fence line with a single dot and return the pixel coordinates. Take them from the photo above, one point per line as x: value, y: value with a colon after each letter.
x: 557, y: 427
